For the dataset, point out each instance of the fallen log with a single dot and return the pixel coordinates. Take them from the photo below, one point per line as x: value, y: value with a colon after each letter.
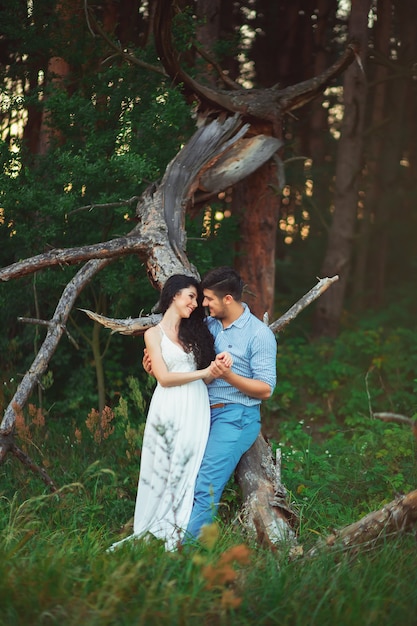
x: 400, y: 515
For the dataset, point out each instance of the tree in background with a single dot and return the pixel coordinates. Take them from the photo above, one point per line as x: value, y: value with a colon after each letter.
x: 347, y: 179
x: 372, y: 164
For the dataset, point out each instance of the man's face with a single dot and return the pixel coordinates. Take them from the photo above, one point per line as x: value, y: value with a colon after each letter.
x: 214, y: 304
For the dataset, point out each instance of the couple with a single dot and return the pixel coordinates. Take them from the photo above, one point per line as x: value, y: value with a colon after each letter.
x: 204, y: 415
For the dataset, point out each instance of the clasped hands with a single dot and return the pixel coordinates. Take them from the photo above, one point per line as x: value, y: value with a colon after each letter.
x: 217, y: 368
x: 221, y: 365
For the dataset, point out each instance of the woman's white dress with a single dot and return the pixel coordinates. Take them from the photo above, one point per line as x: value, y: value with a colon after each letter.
x: 174, y: 442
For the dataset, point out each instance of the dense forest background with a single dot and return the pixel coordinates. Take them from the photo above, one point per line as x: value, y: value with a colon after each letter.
x: 90, y: 117
x: 85, y: 127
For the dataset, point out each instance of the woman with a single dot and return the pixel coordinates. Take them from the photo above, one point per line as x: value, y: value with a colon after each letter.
x: 181, y: 349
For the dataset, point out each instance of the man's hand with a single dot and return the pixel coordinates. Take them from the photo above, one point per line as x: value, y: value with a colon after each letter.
x: 146, y: 362
x: 221, y: 366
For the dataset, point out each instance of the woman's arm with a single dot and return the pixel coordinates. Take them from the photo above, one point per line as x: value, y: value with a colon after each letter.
x: 224, y: 358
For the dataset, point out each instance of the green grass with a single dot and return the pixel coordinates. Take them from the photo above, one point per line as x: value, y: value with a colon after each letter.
x: 338, y: 464
x: 64, y: 576
x: 54, y: 568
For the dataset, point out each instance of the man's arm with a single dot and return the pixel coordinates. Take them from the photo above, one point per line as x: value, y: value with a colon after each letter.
x: 262, y: 366
x: 249, y: 386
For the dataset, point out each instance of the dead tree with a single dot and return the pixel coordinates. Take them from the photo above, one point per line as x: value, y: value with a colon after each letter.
x: 159, y: 238
x: 264, y: 109
x: 219, y: 155
x: 266, y: 510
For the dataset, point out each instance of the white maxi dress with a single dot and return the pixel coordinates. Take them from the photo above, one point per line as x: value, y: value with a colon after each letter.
x: 174, y: 442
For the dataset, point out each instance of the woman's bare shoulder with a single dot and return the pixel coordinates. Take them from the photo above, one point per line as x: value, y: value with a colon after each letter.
x: 152, y: 334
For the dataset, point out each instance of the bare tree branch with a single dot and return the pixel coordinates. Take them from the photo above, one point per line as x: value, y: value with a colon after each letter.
x: 106, y: 205
x: 55, y: 331
x: 207, y: 57
x: 105, y: 250
x: 94, y: 27
x: 399, y: 419
x: 263, y: 104
x: 394, y: 417
x: 36, y: 469
x: 313, y: 294
x: 128, y: 326
x: 137, y: 326
x: 204, y: 162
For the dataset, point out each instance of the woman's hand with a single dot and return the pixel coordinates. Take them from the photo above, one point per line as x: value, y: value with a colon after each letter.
x: 220, y: 367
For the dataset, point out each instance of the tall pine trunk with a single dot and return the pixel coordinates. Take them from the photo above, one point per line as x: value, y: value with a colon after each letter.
x: 348, y: 173
x: 376, y: 145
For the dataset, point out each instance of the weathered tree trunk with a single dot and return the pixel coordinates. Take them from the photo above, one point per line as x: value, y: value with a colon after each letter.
x: 256, y: 201
x: 348, y: 172
x: 57, y: 72
x: 266, y: 512
x: 318, y: 127
x: 316, y: 141
x: 262, y: 108
x: 159, y: 237
x: 208, y: 29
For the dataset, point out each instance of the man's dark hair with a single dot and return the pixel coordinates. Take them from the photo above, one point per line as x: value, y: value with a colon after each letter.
x: 224, y: 281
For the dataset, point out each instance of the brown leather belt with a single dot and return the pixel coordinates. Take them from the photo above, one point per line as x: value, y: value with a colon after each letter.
x: 219, y: 405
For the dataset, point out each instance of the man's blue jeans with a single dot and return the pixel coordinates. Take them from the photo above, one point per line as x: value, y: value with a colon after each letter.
x: 233, y: 430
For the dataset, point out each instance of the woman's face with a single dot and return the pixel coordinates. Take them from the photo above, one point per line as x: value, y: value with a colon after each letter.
x: 186, y: 301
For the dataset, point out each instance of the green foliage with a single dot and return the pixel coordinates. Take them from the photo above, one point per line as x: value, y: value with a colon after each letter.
x: 338, y: 474
x: 54, y: 545
x: 336, y: 466
x: 114, y: 133
x: 364, y: 370
x: 321, y: 417
x: 207, y: 250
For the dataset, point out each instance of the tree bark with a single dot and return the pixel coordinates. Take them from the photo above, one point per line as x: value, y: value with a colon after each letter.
x: 316, y: 141
x: 348, y: 172
x: 264, y: 108
x: 256, y: 201
x: 266, y: 512
x: 390, y: 201
x: 377, y: 144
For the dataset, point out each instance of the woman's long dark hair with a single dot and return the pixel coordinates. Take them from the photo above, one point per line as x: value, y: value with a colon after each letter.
x: 193, y: 332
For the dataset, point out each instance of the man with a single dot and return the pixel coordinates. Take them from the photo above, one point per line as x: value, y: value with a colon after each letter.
x: 236, y: 393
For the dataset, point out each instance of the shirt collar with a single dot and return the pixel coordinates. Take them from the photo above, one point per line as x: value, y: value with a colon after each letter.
x: 240, y: 321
